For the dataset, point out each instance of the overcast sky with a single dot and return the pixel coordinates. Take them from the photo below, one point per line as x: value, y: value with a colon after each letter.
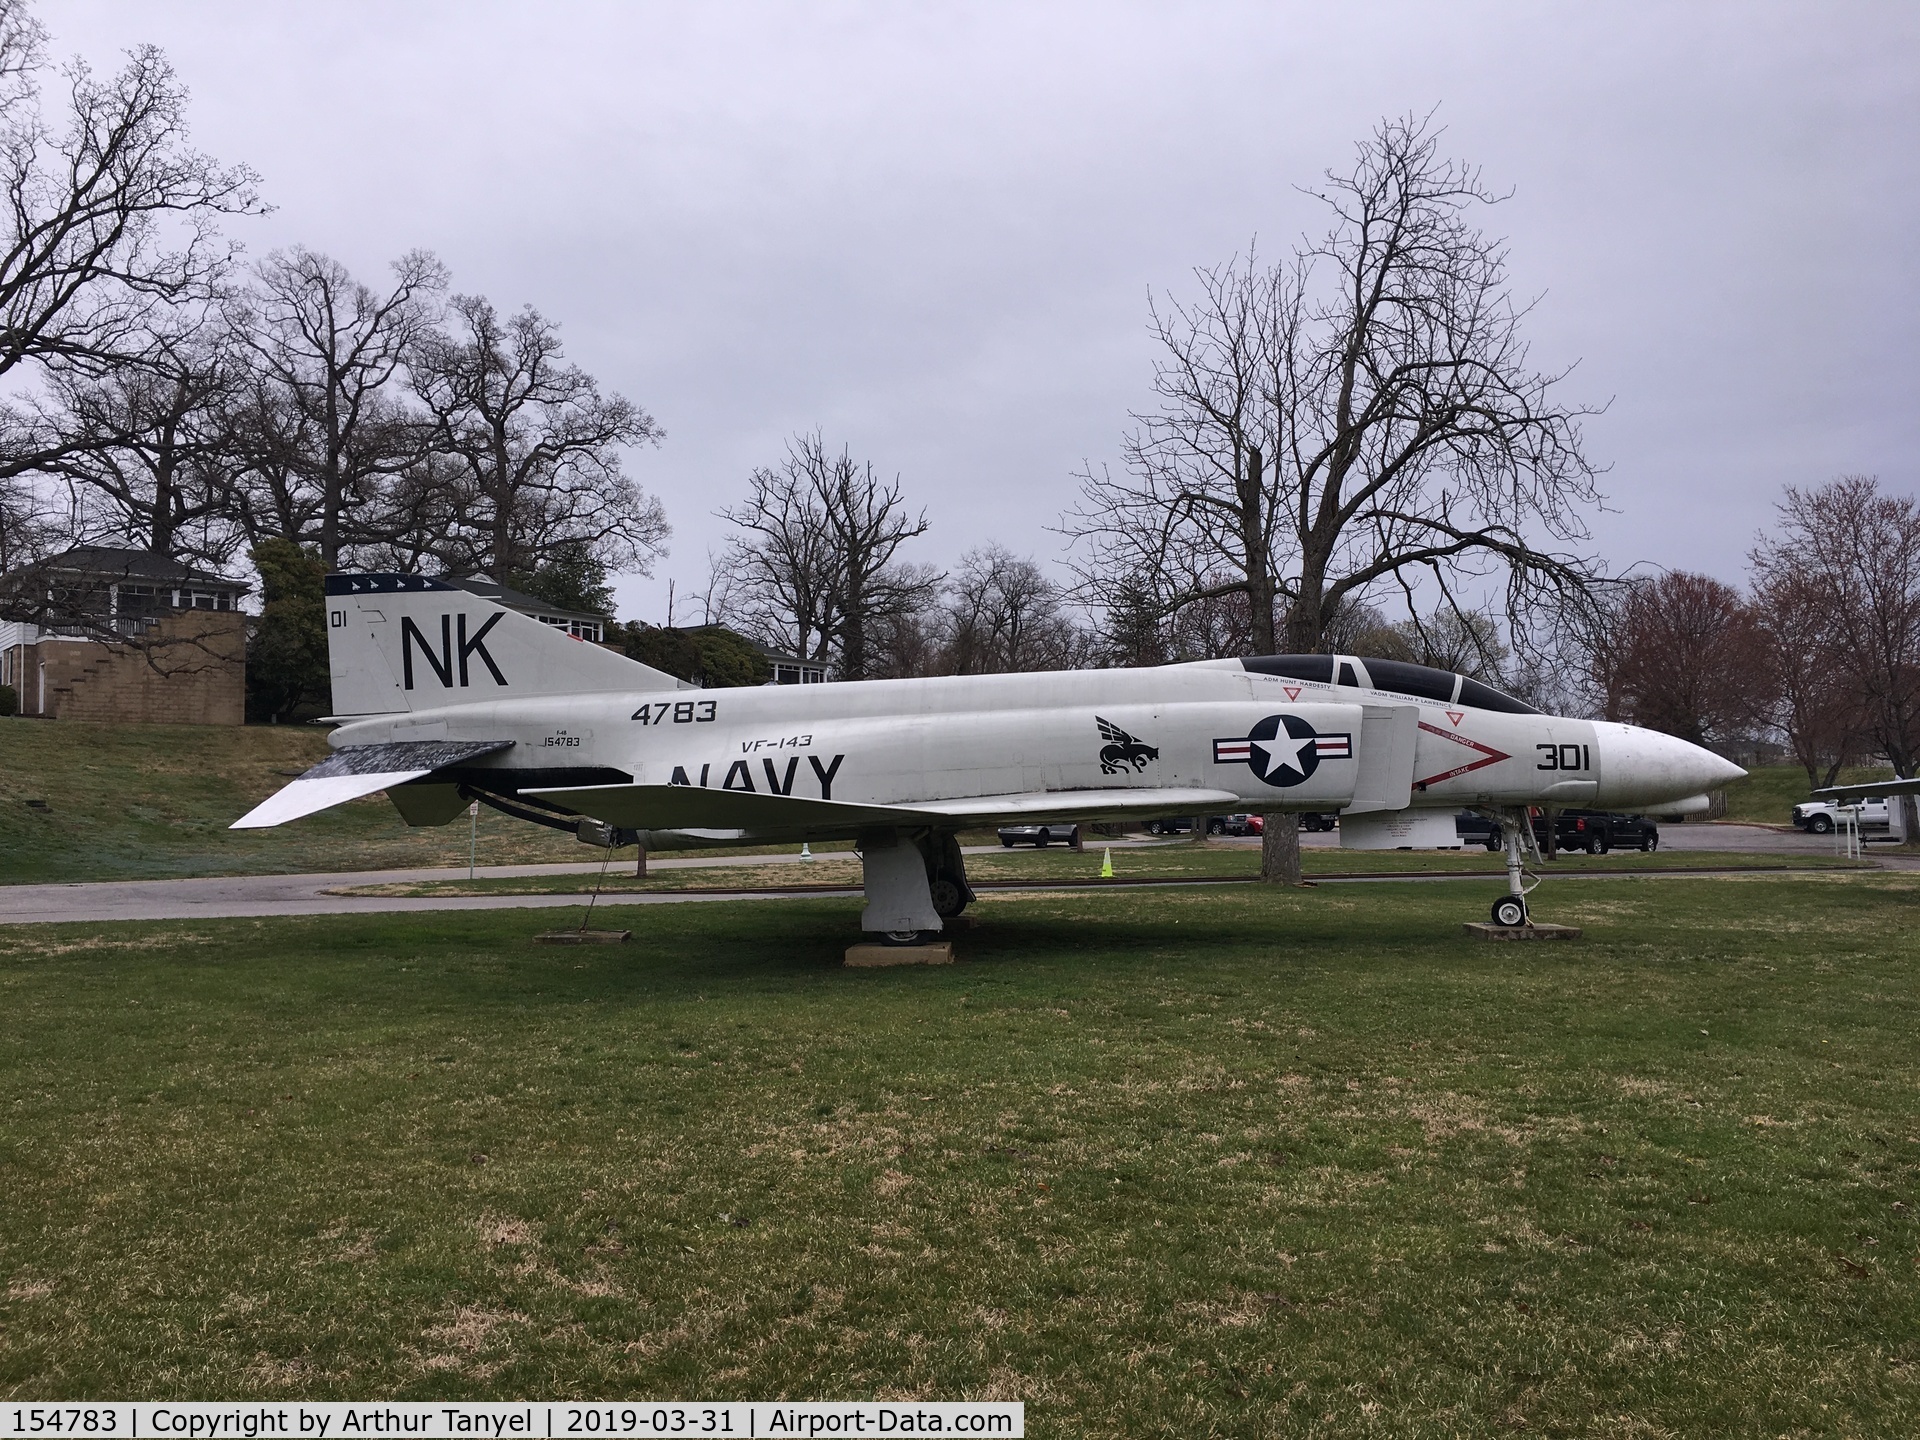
x: 931, y: 230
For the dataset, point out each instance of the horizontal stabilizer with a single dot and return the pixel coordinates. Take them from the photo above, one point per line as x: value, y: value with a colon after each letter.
x: 693, y: 807
x: 361, y: 770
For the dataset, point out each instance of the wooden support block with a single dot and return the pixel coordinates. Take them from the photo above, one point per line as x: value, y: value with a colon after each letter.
x: 1480, y: 930
x: 868, y: 957
x: 583, y: 937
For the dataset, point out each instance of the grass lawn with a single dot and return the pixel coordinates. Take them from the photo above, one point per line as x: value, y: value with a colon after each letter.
x: 130, y: 802
x: 1224, y: 1161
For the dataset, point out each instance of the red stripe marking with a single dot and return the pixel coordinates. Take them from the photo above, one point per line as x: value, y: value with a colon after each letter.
x: 1490, y: 756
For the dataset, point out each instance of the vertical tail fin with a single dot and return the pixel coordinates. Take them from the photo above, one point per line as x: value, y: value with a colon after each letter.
x: 409, y: 642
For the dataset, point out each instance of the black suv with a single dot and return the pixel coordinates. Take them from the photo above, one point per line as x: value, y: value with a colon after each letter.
x: 1594, y: 831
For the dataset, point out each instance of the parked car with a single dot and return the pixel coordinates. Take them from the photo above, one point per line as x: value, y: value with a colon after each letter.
x: 1233, y: 824
x: 1821, y: 816
x: 1038, y: 836
x: 1183, y: 825
x: 1594, y: 831
x: 1476, y: 829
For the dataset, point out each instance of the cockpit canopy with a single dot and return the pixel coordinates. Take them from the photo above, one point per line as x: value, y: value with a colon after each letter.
x: 1422, y: 682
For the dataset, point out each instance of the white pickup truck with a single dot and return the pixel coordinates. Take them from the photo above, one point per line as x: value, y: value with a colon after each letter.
x: 1822, y: 816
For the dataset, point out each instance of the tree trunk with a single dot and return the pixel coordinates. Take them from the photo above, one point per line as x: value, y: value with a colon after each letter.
x: 1280, y: 849
x: 1199, y: 830
x: 330, y: 504
x: 1306, y: 630
x: 163, y: 510
x: 640, y: 866
x: 1259, y: 563
x: 853, y: 625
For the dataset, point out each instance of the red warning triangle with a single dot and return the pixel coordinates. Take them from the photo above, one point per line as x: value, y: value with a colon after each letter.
x: 1454, y: 717
x: 1293, y: 693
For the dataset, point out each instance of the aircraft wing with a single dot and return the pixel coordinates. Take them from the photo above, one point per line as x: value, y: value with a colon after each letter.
x: 693, y: 807
x: 361, y: 770
x: 1876, y: 790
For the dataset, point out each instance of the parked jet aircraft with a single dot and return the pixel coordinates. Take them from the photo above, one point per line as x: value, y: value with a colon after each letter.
x: 445, y: 697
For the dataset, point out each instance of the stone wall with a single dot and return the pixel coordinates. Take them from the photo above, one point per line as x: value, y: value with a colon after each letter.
x: 190, y: 669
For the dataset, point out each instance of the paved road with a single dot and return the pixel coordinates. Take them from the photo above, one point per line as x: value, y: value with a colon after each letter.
x: 242, y: 896
x: 256, y: 895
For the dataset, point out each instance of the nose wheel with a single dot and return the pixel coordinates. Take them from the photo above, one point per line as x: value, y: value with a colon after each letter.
x: 1510, y: 911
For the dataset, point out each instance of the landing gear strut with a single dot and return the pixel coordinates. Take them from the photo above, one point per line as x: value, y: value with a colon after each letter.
x: 914, y: 884
x: 1510, y: 910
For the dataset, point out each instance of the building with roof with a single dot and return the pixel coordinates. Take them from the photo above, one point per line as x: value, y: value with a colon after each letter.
x: 581, y: 624
x: 791, y: 669
x: 126, y: 636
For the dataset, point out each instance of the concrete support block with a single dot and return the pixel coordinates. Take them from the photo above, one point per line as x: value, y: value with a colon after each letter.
x: 1480, y: 930
x: 874, y: 957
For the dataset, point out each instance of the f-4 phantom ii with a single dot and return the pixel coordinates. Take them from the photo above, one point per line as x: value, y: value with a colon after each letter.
x: 445, y: 698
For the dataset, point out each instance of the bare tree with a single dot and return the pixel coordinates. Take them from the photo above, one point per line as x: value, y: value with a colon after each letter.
x: 325, y: 423
x: 1686, y: 656
x: 1863, y: 547
x: 27, y: 532
x: 776, y: 581
x: 815, y: 568
x: 108, y: 215
x: 1816, y: 704
x: 534, y: 447
x: 149, y: 447
x: 110, y: 221
x: 1364, y: 416
x: 1002, y: 614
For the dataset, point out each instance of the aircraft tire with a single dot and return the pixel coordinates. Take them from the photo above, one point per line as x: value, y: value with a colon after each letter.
x: 908, y: 937
x: 1509, y: 910
x: 949, y: 898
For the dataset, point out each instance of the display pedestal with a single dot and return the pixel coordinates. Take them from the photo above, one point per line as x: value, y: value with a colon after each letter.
x: 872, y: 957
x: 1480, y: 930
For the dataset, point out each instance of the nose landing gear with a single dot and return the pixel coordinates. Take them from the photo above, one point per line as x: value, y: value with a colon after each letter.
x: 1510, y: 911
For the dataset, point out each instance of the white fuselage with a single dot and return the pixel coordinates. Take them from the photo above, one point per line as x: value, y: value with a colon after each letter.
x: 1211, y: 725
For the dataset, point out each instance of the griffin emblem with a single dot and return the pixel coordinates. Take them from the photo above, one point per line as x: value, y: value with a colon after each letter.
x: 1122, y: 750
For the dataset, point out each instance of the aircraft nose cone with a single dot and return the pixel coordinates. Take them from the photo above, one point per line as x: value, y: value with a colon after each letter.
x: 1646, y: 767
x: 1725, y: 772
